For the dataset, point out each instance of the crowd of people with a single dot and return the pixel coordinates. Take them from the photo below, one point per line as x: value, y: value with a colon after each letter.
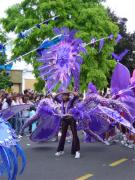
x: 8, y: 100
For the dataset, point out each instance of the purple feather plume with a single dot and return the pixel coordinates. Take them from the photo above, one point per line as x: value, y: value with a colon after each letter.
x: 119, y: 57
x: 101, y: 44
x: 111, y: 36
x: 92, y: 88
x: 93, y: 41
x: 62, y: 61
x: 119, y: 37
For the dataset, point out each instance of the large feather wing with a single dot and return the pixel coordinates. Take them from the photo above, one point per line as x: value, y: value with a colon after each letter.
x: 96, y: 120
x: 11, y: 111
x: 121, y: 56
x: 49, y: 121
x: 112, y: 114
x: 127, y: 98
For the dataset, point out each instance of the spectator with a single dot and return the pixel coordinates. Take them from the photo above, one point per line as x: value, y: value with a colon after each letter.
x: 11, y: 99
x: 6, y: 103
x: 32, y: 112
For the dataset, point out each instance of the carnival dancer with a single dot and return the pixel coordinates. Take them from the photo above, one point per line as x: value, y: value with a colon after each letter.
x: 66, y: 121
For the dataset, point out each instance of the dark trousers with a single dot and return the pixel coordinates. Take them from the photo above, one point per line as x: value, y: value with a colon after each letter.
x: 66, y: 122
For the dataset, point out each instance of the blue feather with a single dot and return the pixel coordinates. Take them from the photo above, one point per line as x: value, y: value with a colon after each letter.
x: 14, y: 160
x: 22, y: 155
x: 9, y: 162
x: 5, y: 160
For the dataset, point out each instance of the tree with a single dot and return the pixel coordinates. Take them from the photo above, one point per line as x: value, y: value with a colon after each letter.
x: 4, y: 80
x: 4, y: 76
x: 127, y: 42
x: 89, y: 17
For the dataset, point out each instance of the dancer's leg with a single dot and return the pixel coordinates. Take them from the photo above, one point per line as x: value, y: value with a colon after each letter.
x: 64, y: 128
x: 75, y: 141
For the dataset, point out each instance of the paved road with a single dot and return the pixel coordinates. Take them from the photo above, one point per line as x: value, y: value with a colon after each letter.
x: 97, y: 162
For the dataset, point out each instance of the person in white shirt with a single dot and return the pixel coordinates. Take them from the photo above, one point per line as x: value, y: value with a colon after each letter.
x: 6, y: 103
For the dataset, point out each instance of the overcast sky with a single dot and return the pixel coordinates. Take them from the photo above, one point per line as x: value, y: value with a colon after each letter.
x: 123, y: 8
x: 4, y: 4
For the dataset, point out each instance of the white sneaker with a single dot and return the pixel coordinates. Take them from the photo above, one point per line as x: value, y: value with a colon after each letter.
x: 106, y: 143
x: 77, y: 155
x: 59, y: 153
x: 19, y: 136
x: 130, y: 146
x: 54, y: 139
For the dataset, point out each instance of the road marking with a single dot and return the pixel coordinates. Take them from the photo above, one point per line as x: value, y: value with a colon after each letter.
x: 116, y: 163
x: 86, y: 176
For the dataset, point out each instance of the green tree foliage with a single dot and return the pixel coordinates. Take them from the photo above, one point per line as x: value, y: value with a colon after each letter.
x: 4, y: 80
x: 127, y: 42
x: 89, y: 17
x: 39, y: 85
x: 3, y: 40
x: 4, y: 76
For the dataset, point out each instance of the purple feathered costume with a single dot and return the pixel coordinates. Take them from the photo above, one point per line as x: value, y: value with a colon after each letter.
x: 95, y: 115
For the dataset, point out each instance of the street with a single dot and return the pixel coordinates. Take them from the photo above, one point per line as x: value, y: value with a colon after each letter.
x: 97, y: 162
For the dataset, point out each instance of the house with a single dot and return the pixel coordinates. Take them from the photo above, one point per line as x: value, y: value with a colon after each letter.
x: 22, y: 76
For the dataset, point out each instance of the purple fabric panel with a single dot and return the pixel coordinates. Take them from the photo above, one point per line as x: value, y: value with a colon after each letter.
x: 49, y: 121
x: 120, y: 78
x: 99, y: 123
x: 47, y: 128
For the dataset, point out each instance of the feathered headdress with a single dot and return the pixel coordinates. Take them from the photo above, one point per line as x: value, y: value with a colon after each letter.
x: 62, y: 61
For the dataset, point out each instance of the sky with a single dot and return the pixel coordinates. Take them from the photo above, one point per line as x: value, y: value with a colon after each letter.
x: 123, y: 8
x: 4, y: 4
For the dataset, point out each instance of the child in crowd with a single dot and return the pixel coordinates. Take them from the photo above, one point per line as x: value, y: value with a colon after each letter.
x: 32, y: 112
